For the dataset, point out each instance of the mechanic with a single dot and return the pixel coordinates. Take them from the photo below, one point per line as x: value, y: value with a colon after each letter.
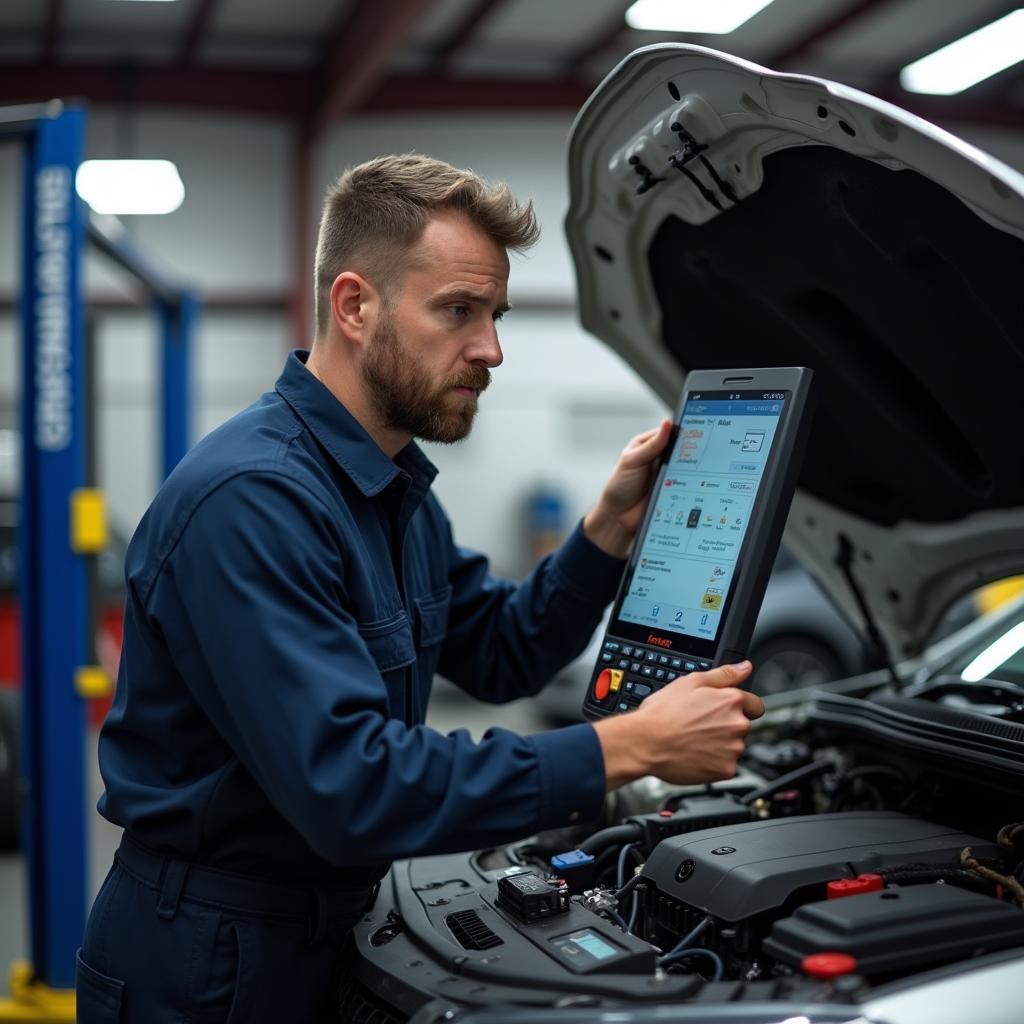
x: 291, y: 592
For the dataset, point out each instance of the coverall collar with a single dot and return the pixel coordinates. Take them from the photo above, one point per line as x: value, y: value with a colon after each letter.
x: 344, y: 437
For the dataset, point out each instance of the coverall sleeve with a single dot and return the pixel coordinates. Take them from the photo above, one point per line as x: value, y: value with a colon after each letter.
x: 252, y: 601
x: 506, y: 640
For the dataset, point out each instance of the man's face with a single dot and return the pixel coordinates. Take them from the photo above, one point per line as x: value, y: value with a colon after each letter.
x: 431, y: 351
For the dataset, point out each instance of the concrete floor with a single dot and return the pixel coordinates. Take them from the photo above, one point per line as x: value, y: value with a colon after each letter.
x: 449, y: 710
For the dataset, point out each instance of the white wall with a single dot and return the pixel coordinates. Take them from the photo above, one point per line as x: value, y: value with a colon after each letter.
x: 560, y: 407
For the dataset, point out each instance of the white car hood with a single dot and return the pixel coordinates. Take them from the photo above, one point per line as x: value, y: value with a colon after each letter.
x: 724, y: 215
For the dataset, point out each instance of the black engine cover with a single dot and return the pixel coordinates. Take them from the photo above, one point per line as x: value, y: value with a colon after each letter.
x: 899, y: 929
x: 738, y: 871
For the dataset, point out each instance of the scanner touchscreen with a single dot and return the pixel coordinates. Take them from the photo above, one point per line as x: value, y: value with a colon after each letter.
x: 688, y: 557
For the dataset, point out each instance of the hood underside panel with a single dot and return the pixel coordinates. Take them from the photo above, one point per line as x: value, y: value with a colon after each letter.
x: 898, y: 297
x: 724, y: 215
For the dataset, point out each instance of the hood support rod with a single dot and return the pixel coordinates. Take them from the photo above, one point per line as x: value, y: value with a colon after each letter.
x: 844, y: 561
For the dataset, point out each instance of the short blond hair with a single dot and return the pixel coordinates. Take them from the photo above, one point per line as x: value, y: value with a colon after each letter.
x: 375, y: 213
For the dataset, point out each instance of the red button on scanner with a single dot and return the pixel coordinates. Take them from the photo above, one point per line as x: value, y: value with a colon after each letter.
x: 609, y: 680
x: 825, y: 966
x: 854, y: 886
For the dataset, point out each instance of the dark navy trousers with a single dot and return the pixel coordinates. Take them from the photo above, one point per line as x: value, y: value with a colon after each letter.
x: 172, y: 943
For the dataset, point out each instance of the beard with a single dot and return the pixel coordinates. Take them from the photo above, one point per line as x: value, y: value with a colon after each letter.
x: 403, y: 396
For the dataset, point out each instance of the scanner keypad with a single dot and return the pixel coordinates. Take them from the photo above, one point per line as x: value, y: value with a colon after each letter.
x: 643, y: 671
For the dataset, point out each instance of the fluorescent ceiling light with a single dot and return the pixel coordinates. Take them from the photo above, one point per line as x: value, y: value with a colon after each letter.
x: 710, y: 16
x: 130, y: 186
x: 996, y: 654
x: 968, y: 60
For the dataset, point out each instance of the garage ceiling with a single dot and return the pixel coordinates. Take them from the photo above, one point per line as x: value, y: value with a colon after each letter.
x: 316, y: 60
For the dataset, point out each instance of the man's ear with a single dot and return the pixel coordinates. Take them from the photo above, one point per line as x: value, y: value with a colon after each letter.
x: 354, y: 303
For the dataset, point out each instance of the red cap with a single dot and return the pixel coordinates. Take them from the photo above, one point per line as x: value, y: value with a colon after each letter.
x: 854, y: 886
x: 786, y: 796
x: 667, y: 814
x: 825, y: 966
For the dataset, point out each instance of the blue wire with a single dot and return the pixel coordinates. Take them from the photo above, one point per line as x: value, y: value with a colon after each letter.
x: 673, y: 954
x: 618, y: 919
x: 623, y: 854
x: 629, y: 848
x: 698, y: 951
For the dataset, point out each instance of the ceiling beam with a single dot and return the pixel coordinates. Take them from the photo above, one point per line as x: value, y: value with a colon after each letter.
x: 194, y: 31
x: 284, y: 93
x: 822, y: 30
x: 441, y: 92
x: 136, y: 300
x: 51, y: 30
x: 473, y: 18
x: 357, y: 57
x: 271, y: 92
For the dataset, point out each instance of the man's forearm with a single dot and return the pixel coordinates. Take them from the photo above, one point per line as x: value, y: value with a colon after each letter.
x: 621, y: 744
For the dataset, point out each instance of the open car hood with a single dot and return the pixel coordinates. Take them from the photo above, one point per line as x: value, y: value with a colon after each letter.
x: 724, y: 215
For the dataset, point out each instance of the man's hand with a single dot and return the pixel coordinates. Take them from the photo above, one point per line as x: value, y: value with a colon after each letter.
x: 691, y: 731
x: 612, y: 523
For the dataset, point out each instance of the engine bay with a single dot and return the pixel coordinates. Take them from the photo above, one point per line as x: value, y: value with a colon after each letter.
x: 856, y: 849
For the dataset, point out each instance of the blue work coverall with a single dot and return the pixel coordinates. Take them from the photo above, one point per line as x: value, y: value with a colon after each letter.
x: 291, y: 593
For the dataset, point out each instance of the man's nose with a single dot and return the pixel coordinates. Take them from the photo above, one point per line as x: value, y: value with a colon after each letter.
x: 485, y: 347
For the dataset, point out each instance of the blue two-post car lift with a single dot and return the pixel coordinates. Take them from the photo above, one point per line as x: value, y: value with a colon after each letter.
x: 63, y: 525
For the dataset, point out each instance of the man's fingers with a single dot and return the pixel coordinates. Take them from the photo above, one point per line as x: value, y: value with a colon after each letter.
x: 753, y: 706
x: 724, y: 675
x: 659, y: 435
x: 643, y: 438
x: 646, y: 445
x: 732, y: 675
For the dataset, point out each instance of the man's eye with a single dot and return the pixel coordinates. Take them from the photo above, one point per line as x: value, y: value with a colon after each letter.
x: 459, y: 311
